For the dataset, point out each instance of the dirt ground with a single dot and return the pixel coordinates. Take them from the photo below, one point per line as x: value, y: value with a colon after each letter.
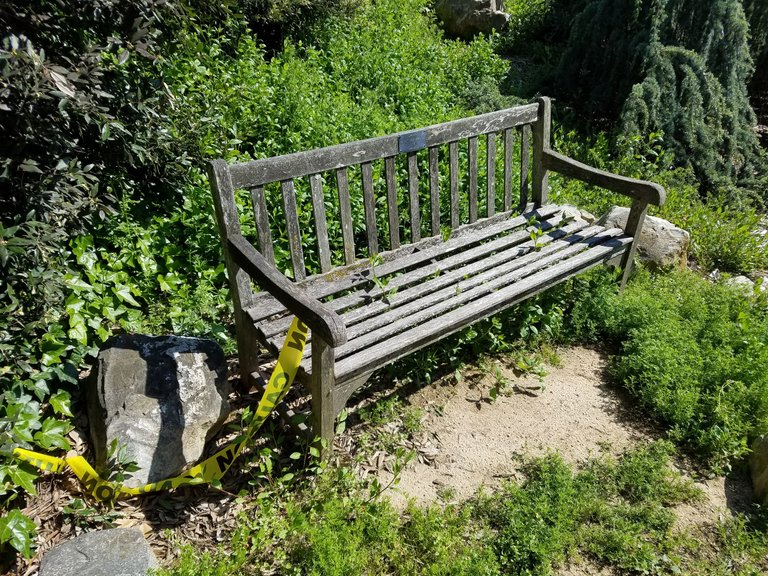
x: 575, y: 411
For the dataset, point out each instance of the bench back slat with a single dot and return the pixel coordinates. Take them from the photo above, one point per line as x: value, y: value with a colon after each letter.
x: 300, y: 164
x: 453, y: 161
x: 345, y: 211
x: 525, y: 154
x: 326, y: 213
x: 490, y: 167
x: 472, y: 156
x: 292, y: 227
x: 434, y: 189
x: 392, y: 205
x: 369, y: 204
x: 413, y: 196
x: 321, y: 224
x: 261, y: 214
x: 509, y: 148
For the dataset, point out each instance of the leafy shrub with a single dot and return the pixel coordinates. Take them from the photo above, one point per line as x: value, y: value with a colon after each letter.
x: 614, y: 510
x: 694, y: 353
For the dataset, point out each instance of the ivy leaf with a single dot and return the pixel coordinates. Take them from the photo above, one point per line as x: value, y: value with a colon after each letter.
x: 52, y: 434
x: 18, y: 530
x: 123, y: 292
x: 22, y: 478
x: 60, y: 403
x: 79, y: 333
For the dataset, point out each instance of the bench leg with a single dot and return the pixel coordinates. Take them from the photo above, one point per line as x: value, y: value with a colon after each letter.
x: 321, y: 387
x: 634, y: 227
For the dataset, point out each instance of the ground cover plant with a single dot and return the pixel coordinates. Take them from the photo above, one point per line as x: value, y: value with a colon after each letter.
x: 616, y: 512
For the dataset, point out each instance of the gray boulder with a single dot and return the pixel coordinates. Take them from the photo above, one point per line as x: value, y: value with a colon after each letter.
x: 161, y: 397
x: 661, y: 242
x: 466, y: 18
x: 116, y: 552
x: 740, y: 282
x: 758, y: 465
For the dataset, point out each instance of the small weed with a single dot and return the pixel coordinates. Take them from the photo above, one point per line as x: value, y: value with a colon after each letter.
x: 119, y: 465
x: 501, y: 384
x: 535, y: 232
x: 381, y: 283
x: 446, y: 493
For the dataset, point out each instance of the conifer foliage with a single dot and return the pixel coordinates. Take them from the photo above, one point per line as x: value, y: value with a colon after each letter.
x: 679, y: 67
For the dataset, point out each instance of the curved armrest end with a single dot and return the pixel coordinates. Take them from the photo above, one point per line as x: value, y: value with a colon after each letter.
x: 323, y: 321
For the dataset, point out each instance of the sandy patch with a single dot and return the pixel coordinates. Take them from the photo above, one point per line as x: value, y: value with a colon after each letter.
x: 576, y: 413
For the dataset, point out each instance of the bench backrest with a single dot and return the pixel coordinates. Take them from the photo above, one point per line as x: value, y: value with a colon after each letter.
x: 361, y: 198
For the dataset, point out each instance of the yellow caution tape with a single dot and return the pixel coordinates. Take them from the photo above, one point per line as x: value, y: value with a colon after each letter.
x: 208, y: 470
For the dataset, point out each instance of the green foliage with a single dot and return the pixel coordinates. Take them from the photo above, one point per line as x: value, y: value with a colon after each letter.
x: 678, y: 67
x: 694, y: 353
x: 18, y: 531
x: 616, y: 511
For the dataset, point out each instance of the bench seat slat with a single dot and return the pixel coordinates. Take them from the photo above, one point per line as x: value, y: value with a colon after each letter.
x: 436, y: 273
x: 465, y: 291
x: 392, y: 328
x: 400, y: 345
x: 265, y: 305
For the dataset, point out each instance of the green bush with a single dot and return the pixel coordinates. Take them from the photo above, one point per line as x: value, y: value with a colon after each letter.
x: 694, y: 353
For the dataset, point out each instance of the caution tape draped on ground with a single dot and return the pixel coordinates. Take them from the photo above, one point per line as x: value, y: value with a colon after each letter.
x: 208, y: 470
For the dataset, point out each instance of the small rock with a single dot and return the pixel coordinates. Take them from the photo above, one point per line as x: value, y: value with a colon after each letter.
x: 570, y: 211
x: 466, y: 18
x: 116, y: 552
x: 758, y: 465
x: 740, y: 282
x: 661, y: 242
x: 160, y: 396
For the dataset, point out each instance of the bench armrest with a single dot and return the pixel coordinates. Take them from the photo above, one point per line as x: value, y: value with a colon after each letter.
x: 323, y: 321
x: 638, y: 189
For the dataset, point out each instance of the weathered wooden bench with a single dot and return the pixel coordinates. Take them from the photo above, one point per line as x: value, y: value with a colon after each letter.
x: 418, y: 263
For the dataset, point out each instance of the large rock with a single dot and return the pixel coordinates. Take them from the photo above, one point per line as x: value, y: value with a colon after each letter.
x: 758, y: 465
x: 466, y: 18
x: 160, y: 396
x: 116, y: 552
x: 661, y: 242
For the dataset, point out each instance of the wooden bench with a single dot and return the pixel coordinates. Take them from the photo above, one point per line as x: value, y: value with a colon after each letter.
x: 380, y: 262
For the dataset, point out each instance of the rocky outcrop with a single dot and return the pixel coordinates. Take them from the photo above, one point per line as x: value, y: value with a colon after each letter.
x: 161, y: 397
x: 466, y: 18
x: 661, y: 242
x: 118, y: 552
